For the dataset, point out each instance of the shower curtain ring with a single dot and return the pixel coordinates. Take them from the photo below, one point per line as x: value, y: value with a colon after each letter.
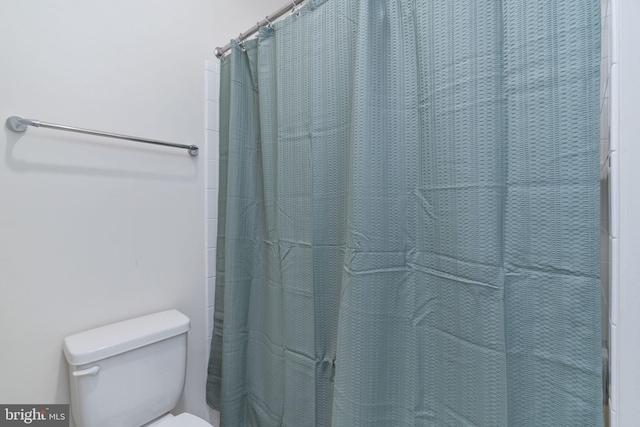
x: 268, y: 22
x: 293, y: 9
x: 241, y: 42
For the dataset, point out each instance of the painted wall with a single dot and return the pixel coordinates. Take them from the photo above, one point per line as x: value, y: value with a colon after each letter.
x: 96, y: 230
x: 625, y: 142
x: 235, y: 16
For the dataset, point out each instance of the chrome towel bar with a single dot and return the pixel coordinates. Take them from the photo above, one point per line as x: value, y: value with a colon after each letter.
x: 18, y: 124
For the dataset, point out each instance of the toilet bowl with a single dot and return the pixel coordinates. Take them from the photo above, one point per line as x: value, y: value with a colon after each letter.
x: 183, y: 420
x: 131, y: 373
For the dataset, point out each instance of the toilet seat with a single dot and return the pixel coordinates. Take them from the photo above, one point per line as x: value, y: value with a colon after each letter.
x: 183, y: 420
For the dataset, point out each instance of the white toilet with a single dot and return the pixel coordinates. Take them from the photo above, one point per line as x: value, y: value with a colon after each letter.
x: 131, y: 373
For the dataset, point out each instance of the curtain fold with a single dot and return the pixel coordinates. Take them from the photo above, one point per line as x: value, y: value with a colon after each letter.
x: 408, y: 228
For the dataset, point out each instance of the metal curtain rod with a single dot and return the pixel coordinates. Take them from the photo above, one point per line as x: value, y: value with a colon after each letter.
x: 266, y: 22
x: 18, y: 124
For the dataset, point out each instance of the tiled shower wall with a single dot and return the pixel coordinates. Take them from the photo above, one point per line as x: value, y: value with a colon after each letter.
x: 604, y: 168
x: 212, y: 72
x: 608, y: 205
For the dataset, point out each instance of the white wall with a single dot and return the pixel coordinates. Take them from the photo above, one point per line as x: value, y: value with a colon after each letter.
x: 95, y: 230
x: 235, y: 16
x: 625, y: 138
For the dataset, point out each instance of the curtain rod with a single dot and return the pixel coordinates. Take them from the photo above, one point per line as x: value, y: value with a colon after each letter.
x: 267, y: 21
x: 18, y: 124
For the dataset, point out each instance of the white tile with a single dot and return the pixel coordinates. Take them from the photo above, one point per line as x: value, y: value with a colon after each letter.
x: 212, y: 115
x: 605, y: 46
x: 614, y: 284
x: 212, y: 175
x: 213, y: 145
x: 211, y: 262
x: 613, y: 369
x: 604, y: 118
x: 213, y: 86
x: 605, y: 224
x: 209, y: 323
x: 604, y: 284
x: 214, y: 66
x: 604, y: 81
x: 605, y: 253
x: 614, y: 199
x: 212, y: 204
x: 603, y: 10
x: 212, y: 232
x: 604, y: 157
x: 211, y: 291
x: 613, y: 108
x: 214, y: 417
x: 614, y: 19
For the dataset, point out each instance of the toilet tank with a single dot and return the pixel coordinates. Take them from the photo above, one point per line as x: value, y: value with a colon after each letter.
x: 128, y: 373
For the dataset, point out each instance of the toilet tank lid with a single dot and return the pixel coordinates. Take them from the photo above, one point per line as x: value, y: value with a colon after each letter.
x: 110, y: 340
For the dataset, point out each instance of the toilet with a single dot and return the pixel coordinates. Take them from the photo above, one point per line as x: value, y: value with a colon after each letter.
x: 131, y: 373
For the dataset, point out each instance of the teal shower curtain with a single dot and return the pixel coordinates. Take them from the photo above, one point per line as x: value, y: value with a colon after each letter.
x: 408, y: 224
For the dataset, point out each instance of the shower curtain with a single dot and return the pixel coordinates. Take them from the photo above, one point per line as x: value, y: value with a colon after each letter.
x: 408, y: 224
